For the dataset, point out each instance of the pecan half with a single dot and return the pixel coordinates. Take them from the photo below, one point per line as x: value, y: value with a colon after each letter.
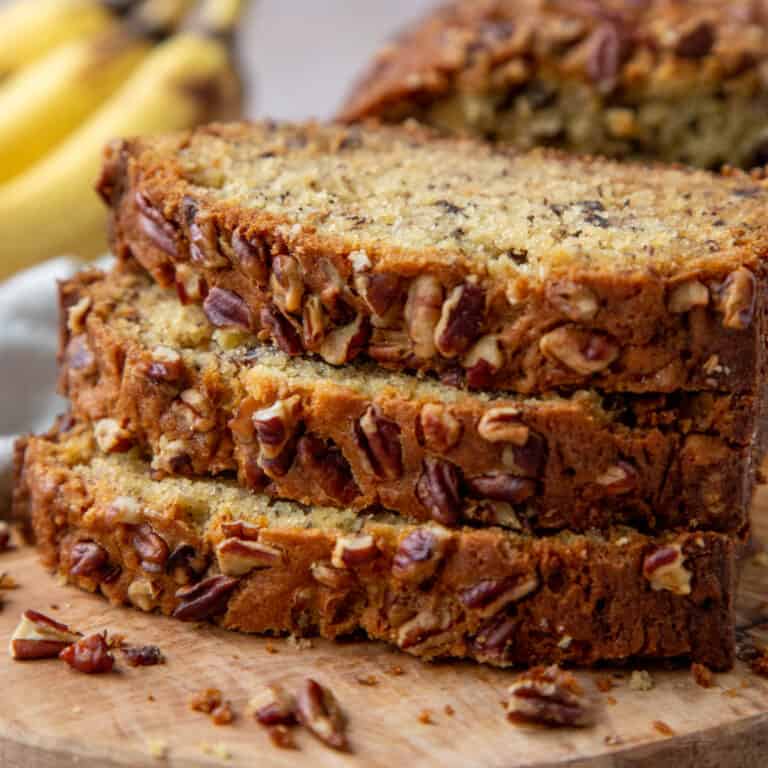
x: 281, y: 464
x: 326, y: 465
x: 551, y: 697
x: 252, y: 257
x: 236, y: 557
x: 575, y: 301
x: 425, y: 624
x: 437, y: 429
x: 39, y: 637
x: 240, y: 529
x: 389, y: 346
x: 606, y: 50
x: 489, y: 596
x: 281, y: 331
x: 379, y: 439
x: 737, y: 298
x: 422, y: 314
x: 90, y: 560
x: 438, y: 490
x: 225, y: 308
x: 287, y: 283
x: 499, y: 486
x: 344, y: 344
x: 273, y: 705
x: 90, y: 655
x: 584, y: 352
x: 500, y: 513
x: 503, y: 425
x: 420, y: 553
x: 664, y: 568
x: 688, y: 295
x: 352, y: 551
x: 150, y: 548
x: 461, y: 320
x: 77, y: 314
x: 274, y: 426
x: 319, y: 712
x: 154, y: 225
x: 204, y: 599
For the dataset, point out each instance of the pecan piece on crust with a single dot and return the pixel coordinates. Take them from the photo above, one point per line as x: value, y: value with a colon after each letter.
x: 461, y: 320
x: 39, y: 637
x: 585, y: 352
x: 155, y: 226
x: 89, y: 655
x: 379, y: 439
x: 550, y: 696
x: 664, y: 568
x: 225, y: 308
x: 252, y: 256
x: 489, y: 596
x: 319, y: 712
x: 503, y: 425
x: 420, y: 553
x: 351, y: 551
x: 285, y: 336
x: 437, y: 429
x: 90, y: 560
x: 151, y: 548
x: 325, y: 464
x: 577, y: 302
x: 483, y: 361
x: 344, y: 343
x: 275, y: 425
x: 236, y: 556
x: 204, y: 599
x: 190, y: 285
x: 287, y: 283
x: 736, y: 299
x: 500, y: 486
x: 438, y: 490
x: 422, y: 314
x: 166, y: 365
x: 203, y: 237
x: 619, y: 478
x: 688, y: 295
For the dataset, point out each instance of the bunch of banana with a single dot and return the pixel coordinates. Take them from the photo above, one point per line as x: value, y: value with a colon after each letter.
x: 90, y: 71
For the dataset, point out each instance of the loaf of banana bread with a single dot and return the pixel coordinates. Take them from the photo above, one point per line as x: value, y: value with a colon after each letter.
x: 522, y: 272
x: 678, y: 80
x: 201, y: 549
x: 151, y: 372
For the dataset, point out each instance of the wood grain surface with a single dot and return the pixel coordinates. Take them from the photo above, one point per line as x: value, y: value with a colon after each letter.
x: 52, y: 717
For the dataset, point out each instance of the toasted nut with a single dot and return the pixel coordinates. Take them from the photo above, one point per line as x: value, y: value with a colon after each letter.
x: 203, y: 238
x: 325, y: 465
x: 389, y: 346
x: 685, y: 296
x: 76, y: 315
x: 204, y: 599
x: 90, y: 560
x: 89, y: 655
x: 619, y: 478
x: 499, y: 486
x: 422, y: 314
x: 438, y: 429
x: 190, y: 285
x: 111, y: 437
x: 381, y: 292
x: 335, y: 294
x: 237, y: 557
x: 503, y: 425
x: 150, y: 548
x: 605, y: 52
x: 737, y: 298
x: 575, y: 301
x: 697, y: 41
x: 166, y: 365
x: 252, y: 256
x: 500, y: 513
x: 422, y: 626
x: 461, y: 320
x: 313, y: 322
x: 153, y: 224
x: 280, y: 329
x: 550, y: 696
x: 333, y: 578
x: 279, y: 466
x: 344, y: 344
x: 483, y: 360
x: 225, y: 308
x: 240, y: 529
x: 40, y: 637
x: 494, y: 637
x: 582, y: 351
x: 185, y: 564
x: 79, y: 356
x: 351, y: 551
x: 664, y: 568
x: 142, y: 655
x: 490, y: 596
x: 438, y: 490
x: 143, y: 594
x: 420, y: 552
x: 379, y: 439
x: 287, y: 283
x: 273, y: 705
x: 528, y: 460
x: 274, y: 426
x: 319, y: 712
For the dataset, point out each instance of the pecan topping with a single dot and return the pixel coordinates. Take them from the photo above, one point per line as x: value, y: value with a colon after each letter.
x: 483, y: 360
x: 438, y: 490
x: 287, y: 283
x: 420, y: 553
x: 685, y: 296
x: 499, y: 486
x: 437, y: 429
x: 88, y: 559
x: 582, y: 351
x: 226, y: 308
x: 151, y: 549
x: 142, y: 655
x: 111, y: 437
x: 529, y: 459
x: 344, y: 344
x: 664, y: 568
x: 351, y: 551
x: 737, y: 298
x: 204, y: 599
x: 190, y: 286
x: 89, y: 655
x: 503, y: 425
x: 166, y: 365
x: 280, y: 329
x: 622, y: 477
x: 422, y: 314
x: 327, y: 467
x: 275, y: 425
x: 253, y: 257
x: 237, y: 557
x: 696, y: 42
x: 152, y: 223
x: 319, y: 712
x: 313, y: 322
x: 461, y: 320
x: 379, y: 439
x: 273, y: 706
x: 550, y: 696
x: 489, y: 596
x: 39, y: 637
x: 333, y: 578
x: 575, y: 301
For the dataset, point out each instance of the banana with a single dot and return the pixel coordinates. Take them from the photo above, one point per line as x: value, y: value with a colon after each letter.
x: 219, y: 17
x: 52, y: 208
x: 46, y: 101
x: 30, y: 28
x: 160, y: 16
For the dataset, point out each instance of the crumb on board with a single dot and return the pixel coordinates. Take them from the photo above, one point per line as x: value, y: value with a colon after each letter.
x: 369, y: 680
x: 449, y: 710
x: 663, y: 728
x: 611, y: 700
x: 270, y: 648
x: 300, y: 643
x: 641, y: 680
x: 603, y: 683
x: 702, y: 675
x: 157, y: 749
x: 282, y: 737
x: 218, y: 750
x: 396, y: 670
x: 425, y: 717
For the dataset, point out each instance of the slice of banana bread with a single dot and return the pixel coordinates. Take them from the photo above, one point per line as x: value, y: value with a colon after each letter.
x: 516, y: 272
x: 200, y: 549
x: 200, y: 400
x: 678, y: 80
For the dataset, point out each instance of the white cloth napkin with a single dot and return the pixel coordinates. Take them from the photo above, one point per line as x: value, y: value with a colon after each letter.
x: 28, y: 344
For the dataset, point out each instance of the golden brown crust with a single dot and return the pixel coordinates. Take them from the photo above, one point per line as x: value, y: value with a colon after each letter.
x: 364, y: 438
x: 685, y: 313
x: 182, y: 547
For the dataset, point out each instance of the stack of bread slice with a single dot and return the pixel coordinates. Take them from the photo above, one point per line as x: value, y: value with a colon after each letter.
x: 472, y: 402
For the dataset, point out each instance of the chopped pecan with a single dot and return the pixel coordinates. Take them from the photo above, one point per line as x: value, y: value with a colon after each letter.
x: 336, y: 296
x: 39, y: 637
x: 500, y: 513
x: 203, y: 237
x: 190, y: 285
x: 550, y: 696
x: 313, y: 322
x: 90, y: 560
x: 489, y: 596
x: 483, y: 361
x: 344, y: 343
x: 351, y: 551
x: 154, y: 225
x: 281, y: 464
x: 89, y: 655
x: 280, y: 329
x: 142, y: 655
x: 389, y: 346
x: 461, y: 320
x: 225, y: 308
x: 333, y: 578
x: 584, y: 352
x: 274, y: 426
x: 494, y: 637
x: 379, y: 439
x: 736, y: 299
x: 79, y: 355
x: 619, y: 478
x: 240, y: 529
x: 77, y: 314
x: 664, y: 568
x: 111, y: 437
x: 503, y: 425
x: 697, y: 41
x: 499, y: 486
x: 381, y: 292
x: 143, y: 594
x: 529, y: 459
x: 688, y: 295
x: 151, y: 548
x: 422, y: 314
x: 420, y: 553
x: 437, y: 429
x: 438, y: 490
x: 577, y: 302
x: 287, y: 283
x: 273, y: 705
x: 319, y: 712
x: 606, y: 50
x: 166, y: 365
x: 425, y: 624
x: 237, y: 557
x: 326, y: 466
x: 252, y: 256
x: 204, y: 599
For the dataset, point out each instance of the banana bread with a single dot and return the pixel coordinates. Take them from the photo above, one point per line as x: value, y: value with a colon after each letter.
x: 504, y: 271
x: 200, y: 400
x: 200, y: 549
x: 676, y: 80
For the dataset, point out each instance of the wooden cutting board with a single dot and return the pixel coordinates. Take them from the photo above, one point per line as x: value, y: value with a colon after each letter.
x: 52, y: 717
